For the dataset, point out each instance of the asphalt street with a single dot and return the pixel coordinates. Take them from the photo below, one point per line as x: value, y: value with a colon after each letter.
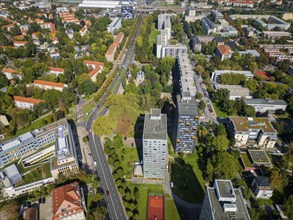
x: 115, y: 207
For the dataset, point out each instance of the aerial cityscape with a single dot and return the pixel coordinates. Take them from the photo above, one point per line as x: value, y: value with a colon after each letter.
x: 146, y: 109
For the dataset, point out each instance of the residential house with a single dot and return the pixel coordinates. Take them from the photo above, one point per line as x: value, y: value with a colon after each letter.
x: 24, y: 102
x: 115, y: 25
x: 49, y: 85
x: 261, y: 187
x: 10, y: 73
x: 19, y: 43
x: 55, y: 70
x: 83, y: 31
x: 224, y: 52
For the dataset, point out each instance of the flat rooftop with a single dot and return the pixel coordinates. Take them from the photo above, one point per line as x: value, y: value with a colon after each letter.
x: 225, y: 188
x: 259, y: 156
x: 155, y: 125
x: 265, y: 102
x: 245, y: 159
x: 218, y: 210
x: 248, y: 123
x: 235, y: 90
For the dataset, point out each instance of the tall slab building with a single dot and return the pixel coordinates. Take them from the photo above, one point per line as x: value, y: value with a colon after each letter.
x: 155, y: 145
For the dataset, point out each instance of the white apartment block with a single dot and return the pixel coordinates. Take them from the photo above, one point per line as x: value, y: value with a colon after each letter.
x: 263, y: 105
x: 155, y: 145
x: 251, y: 130
x: 23, y: 102
x: 49, y: 85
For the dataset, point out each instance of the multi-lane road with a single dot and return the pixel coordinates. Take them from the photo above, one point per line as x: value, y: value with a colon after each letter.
x: 115, y: 207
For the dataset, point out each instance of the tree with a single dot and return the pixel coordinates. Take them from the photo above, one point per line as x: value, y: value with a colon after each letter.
x: 288, y: 207
x: 219, y: 142
x: 199, y: 95
x: 221, y: 94
x: 201, y: 105
x: 251, y: 84
x: 10, y: 211
x: 249, y: 111
x: 136, y: 193
x: 278, y: 179
x: 225, y: 166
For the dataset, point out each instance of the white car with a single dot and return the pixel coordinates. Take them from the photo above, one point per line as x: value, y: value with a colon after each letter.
x: 95, y: 163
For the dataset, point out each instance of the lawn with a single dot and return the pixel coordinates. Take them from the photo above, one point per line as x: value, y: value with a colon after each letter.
x: 37, y: 174
x: 143, y: 191
x: 219, y: 112
x: 130, y: 157
x: 187, y: 179
x: 153, y: 35
x: 171, y: 211
x: 88, y: 107
x: 35, y: 125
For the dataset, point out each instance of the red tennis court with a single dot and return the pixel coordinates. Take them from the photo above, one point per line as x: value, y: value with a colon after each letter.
x: 156, y: 208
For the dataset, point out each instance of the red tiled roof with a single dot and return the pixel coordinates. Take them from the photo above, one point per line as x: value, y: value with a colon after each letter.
x: 94, y: 71
x: 224, y: 49
x: 56, y: 69
x: 48, y: 83
x: 83, y: 29
x: 8, y: 70
x: 28, y: 100
x: 119, y: 37
x: 111, y: 48
x: 156, y: 208
x: 264, y: 74
x: 30, y: 214
x: 7, y: 47
x: 51, y: 16
x: 88, y: 22
x: 93, y: 63
x: 66, y: 201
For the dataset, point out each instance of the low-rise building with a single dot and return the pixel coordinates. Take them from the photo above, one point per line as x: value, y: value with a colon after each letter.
x: 110, y: 54
x: 83, y: 31
x: 254, y: 53
x: 3, y: 120
x: 10, y: 176
x: 217, y: 73
x: 11, y: 73
x: 19, y: 43
x: 216, y: 15
x: 68, y: 202
x: 228, y: 31
x: 208, y: 26
x: 255, y: 131
x: 273, y: 22
x: 224, y: 52
x: 56, y: 70
x: 114, y: 25
x: 264, y: 105
x: 248, y: 31
x: 261, y: 187
x: 24, y: 102
x: 236, y: 91
x: 223, y: 201
x: 49, y: 85
x: 259, y: 158
x: 93, y: 64
x: 276, y: 34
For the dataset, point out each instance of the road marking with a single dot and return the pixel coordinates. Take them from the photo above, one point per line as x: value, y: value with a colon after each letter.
x: 104, y: 175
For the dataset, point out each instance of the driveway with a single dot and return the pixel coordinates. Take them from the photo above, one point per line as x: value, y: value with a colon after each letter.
x: 46, y: 209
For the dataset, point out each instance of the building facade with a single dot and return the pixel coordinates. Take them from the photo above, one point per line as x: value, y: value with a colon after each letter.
x: 255, y: 131
x: 187, y: 109
x: 264, y: 105
x: 114, y: 25
x: 24, y: 102
x: 49, y: 85
x: 208, y: 26
x: 217, y: 73
x: 261, y: 187
x: 155, y: 145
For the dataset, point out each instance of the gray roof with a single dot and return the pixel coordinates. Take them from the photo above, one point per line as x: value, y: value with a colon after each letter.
x: 218, y: 210
x: 155, y: 125
x: 187, y: 107
x: 13, y: 174
x: 262, y: 181
x: 225, y: 188
x: 235, y: 90
x: 265, y: 102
